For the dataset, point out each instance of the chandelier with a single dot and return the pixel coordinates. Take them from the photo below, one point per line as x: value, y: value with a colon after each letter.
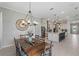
x: 23, y: 24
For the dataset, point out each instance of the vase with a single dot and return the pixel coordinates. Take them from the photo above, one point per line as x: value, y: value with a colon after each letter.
x: 30, y: 39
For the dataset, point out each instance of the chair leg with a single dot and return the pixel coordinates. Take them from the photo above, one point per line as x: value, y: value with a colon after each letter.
x: 50, y: 50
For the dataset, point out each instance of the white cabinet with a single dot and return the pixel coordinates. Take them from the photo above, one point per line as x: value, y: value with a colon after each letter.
x: 53, y: 36
x: 56, y: 37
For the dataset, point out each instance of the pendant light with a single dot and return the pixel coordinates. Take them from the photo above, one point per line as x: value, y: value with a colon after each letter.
x: 23, y: 24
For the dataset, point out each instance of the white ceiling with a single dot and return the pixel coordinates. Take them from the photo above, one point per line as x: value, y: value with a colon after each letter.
x: 42, y: 9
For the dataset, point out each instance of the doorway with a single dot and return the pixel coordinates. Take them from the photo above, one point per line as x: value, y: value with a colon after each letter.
x: 74, y: 28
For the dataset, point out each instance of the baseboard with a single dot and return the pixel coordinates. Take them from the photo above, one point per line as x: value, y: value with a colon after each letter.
x: 7, y: 46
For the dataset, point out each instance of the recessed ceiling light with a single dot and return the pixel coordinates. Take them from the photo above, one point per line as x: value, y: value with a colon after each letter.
x: 76, y: 8
x: 51, y: 9
x: 76, y: 15
x: 62, y: 12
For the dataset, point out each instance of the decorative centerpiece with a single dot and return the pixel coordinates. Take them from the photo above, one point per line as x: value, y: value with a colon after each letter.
x: 30, y: 36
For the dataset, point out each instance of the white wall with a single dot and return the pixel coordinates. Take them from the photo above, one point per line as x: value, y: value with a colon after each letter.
x: 0, y: 29
x: 9, y: 26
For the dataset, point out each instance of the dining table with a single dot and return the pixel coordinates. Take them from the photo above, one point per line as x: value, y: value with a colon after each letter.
x: 35, y: 48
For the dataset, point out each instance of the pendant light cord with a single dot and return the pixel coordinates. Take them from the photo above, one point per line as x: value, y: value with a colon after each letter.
x: 30, y: 6
x: 29, y: 11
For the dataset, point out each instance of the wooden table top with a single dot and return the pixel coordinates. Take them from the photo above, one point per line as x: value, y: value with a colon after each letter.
x: 36, y: 48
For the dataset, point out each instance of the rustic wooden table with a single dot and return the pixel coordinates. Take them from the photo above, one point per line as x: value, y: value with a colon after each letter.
x: 36, y: 48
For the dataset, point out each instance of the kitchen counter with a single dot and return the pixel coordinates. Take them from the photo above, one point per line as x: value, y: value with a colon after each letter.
x: 56, y: 37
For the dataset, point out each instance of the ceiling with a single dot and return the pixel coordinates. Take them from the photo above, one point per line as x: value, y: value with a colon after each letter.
x: 46, y: 9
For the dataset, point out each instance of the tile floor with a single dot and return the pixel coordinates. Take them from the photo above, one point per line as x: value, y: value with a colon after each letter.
x: 9, y: 51
x: 68, y: 47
